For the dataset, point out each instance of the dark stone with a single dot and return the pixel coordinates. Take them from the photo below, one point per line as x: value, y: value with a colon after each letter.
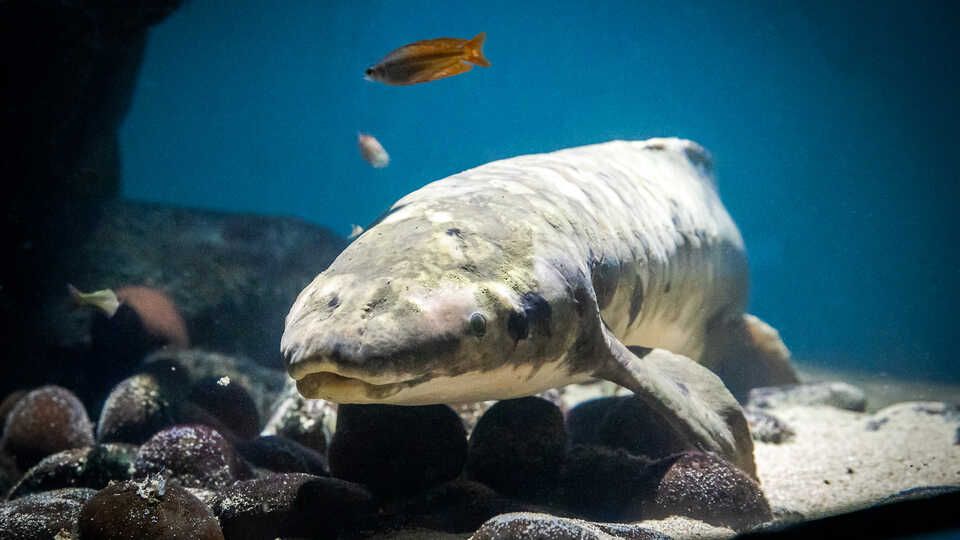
x: 230, y: 402
x: 460, y: 506
x: 397, y: 450
x: 621, y: 422
x: 42, y: 515
x: 148, y: 510
x: 137, y: 408
x: 607, y: 484
x: 292, y: 505
x: 517, y: 447
x: 264, y: 385
x: 191, y: 456
x: 64, y: 97
x: 705, y: 487
x: 767, y: 428
x: 279, y: 454
x: 92, y: 467
x: 232, y: 276
x: 46, y: 420
x: 530, y: 526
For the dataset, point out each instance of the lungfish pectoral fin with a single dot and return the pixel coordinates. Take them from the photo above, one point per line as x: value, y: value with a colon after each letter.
x: 693, y: 401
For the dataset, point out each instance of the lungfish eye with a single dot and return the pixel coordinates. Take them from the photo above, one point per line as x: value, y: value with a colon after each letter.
x: 478, y: 324
x: 369, y: 71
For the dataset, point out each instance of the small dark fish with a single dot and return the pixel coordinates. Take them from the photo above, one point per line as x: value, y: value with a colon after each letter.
x: 429, y: 60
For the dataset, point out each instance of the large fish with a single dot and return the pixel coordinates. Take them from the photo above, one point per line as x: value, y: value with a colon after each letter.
x: 540, y: 271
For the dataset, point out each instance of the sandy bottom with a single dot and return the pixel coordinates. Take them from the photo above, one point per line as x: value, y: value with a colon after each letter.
x: 838, y: 460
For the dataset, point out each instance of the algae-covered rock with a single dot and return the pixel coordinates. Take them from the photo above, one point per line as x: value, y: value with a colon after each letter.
x: 232, y: 276
x: 41, y: 516
x: 148, y: 510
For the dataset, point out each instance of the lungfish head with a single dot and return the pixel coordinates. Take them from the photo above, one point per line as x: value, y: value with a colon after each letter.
x: 406, y: 322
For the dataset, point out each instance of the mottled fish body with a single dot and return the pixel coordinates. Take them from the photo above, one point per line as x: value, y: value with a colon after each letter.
x: 535, y: 272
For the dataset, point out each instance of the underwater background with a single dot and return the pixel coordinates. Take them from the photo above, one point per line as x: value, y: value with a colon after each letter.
x: 832, y: 127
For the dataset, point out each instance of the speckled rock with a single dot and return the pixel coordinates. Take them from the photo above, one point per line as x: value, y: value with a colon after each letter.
x: 621, y: 422
x: 138, y: 407
x: 46, y: 420
x: 263, y: 384
x: 607, y: 484
x: 705, y: 487
x: 93, y: 467
x: 767, y: 428
x: 298, y: 505
x: 42, y: 515
x: 309, y: 422
x: 517, y: 447
x: 397, y: 450
x: 279, y: 454
x: 230, y: 402
x: 232, y: 276
x: 459, y: 506
x: 833, y: 394
x: 531, y: 526
x: 148, y: 510
x: 191, y: 456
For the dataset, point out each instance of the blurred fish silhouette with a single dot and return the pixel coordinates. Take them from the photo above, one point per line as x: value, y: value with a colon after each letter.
x: 372, y: 151
x: 429, y: 60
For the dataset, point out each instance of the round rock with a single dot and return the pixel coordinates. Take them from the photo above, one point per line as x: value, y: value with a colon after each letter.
x: 230, y: 403
x: 517, y: 447
x: 45, y: 421
x: 148, y: 510
x: 279, y: 454
x: 42, y: 516
x: 93, y: 467
x: 459, y: 506
x: 531, y: 526
x: 608, y: 484
x: 397, y: 450
x: 192, y: 456
x: 292, y: 505
x: 705, y: 487
x: 621, y: 422
x: 136, y: 408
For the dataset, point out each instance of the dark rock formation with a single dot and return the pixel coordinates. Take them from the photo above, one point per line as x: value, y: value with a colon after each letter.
x: 232, y: 276
x: 517, y: 447
x: 69, y: 71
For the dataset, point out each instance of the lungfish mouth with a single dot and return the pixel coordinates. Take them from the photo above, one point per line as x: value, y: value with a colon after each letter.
x: 343, y: 389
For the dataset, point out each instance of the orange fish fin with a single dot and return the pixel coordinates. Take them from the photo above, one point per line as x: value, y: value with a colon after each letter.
x: 473, y: 50
x: 454, y: 68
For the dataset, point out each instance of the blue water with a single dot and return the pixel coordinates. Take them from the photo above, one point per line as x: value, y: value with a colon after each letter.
x: 832, y: 125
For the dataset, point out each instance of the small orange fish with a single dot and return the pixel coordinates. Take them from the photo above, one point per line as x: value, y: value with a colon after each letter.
x: 429, y: 60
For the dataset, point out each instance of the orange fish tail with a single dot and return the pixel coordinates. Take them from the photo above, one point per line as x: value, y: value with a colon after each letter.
x: 473, y: 51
